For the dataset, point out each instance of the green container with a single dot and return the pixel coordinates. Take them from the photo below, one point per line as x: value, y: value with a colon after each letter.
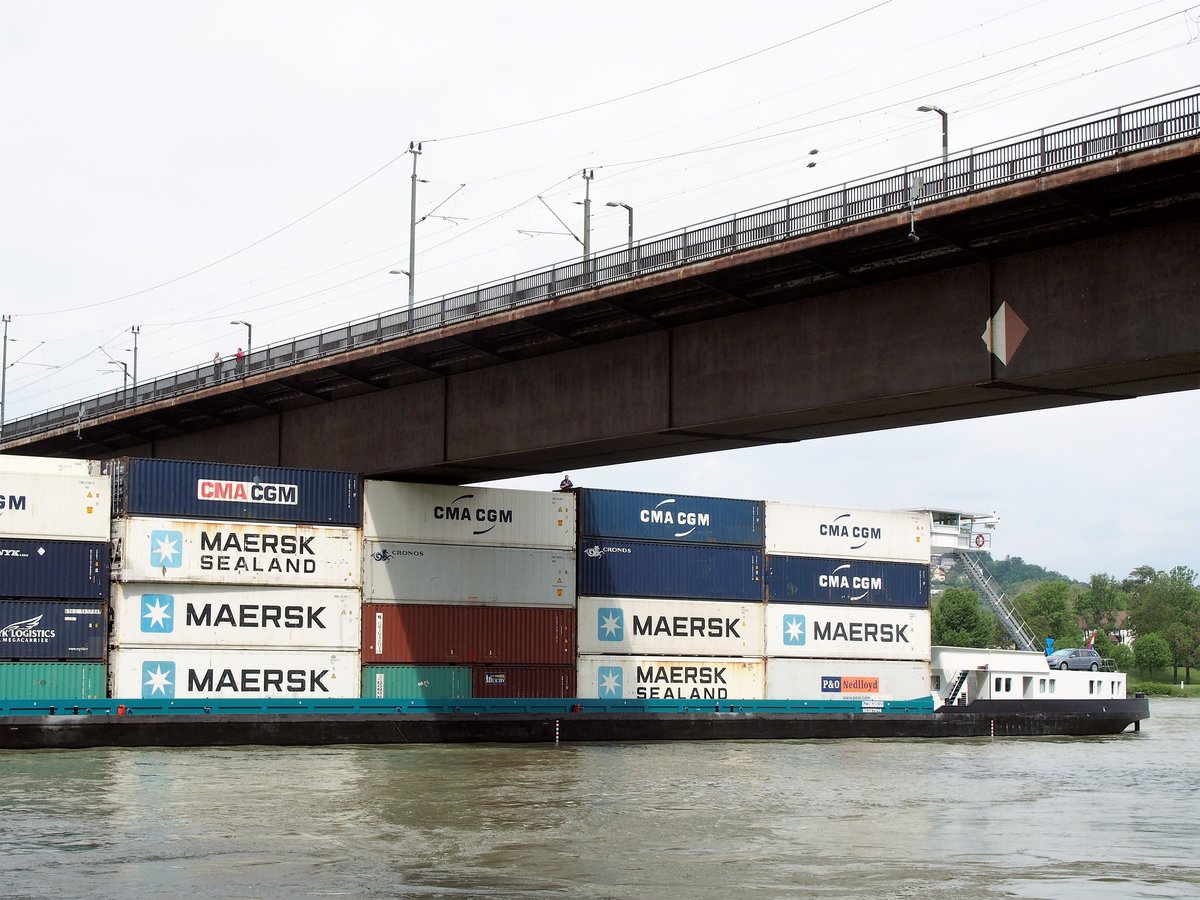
x: 53, y: 681
x: 416, y: 682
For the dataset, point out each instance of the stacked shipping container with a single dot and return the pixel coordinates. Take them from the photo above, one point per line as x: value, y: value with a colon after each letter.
x: 467, y: 592
x: 671, y: 596
x: 235, y: 581
x: 847, y: 614
x: 54, y: 573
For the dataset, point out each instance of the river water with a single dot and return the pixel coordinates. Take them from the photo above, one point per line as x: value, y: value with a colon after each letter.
x: 1059, y: 818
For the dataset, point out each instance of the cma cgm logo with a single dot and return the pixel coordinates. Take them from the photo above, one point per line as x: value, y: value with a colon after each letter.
x: 839, y: 580
x: 459, y: 511
x: 158, y: 679
x: 860, y: 533
x: 665, y: 513
x: 166, y: 548
x: 248, y: 492
x: 795, y: 631
x: 14, y: 502
x: 608, y: 682
x: 596, y: 551
x: 610, y: 624
x: 158, y: 613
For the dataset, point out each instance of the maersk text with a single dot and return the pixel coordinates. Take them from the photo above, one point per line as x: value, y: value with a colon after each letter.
x: 255, y: 616
x: 258, y: 681
x: 861, y: 632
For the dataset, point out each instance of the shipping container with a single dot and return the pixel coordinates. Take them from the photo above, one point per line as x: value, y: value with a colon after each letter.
x: 670, y: 517
x: 53, y: 680
x: 162, y: 673
x: 33, y: 568
x: 448, y: 514
x: 55, y: 507
x: 846, y: 679
x: 655, y: 627
x: 847, y: 632
x: 424, y: 633
x: 847, y: 582
x: 611, y: 568
x: 416, y: 682
x: 182, y: 551
x: 670, y: 678
x: 894, y: 535
x: 176, y: 488
x: 53, y: 629
x: 11, y: 464
x: 450, y: 573
x: 204, y: 615
x: 523, y: 681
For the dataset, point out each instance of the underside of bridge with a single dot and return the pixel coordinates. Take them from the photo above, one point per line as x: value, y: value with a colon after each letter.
x: 1086, y: 282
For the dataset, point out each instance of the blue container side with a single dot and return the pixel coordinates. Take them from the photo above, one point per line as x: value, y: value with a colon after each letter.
x: 847, y: 582
x: 219, y: 491
x: 53, y: 629
x: 640, y: 516
x: 621, y: 568
x: 34, y: 569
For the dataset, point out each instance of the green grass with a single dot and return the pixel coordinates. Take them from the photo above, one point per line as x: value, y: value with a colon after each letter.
x: 1163, y: 688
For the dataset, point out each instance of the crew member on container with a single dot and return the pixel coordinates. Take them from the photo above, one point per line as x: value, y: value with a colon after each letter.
x: 240, y: 361
x: 565, y: 484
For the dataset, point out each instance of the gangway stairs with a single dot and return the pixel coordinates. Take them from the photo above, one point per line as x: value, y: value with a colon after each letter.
x: 990, y: 590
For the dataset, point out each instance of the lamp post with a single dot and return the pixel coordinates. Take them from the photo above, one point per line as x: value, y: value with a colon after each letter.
x: 3, y: 370
x: 249, y: 339
x: 629, y: 240
x: 414, y: 147
x: 945, y: 132
x: 125, y: 371
x: 135, y: 330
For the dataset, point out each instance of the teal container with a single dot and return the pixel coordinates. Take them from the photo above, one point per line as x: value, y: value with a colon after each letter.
x: 55, y: 681
x: 416, y: 682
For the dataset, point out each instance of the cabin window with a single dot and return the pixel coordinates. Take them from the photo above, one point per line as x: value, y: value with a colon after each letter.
x: 936, y: 681
x: 1041, y: 685
x: 1091, y: 686
x: 1053, y: 683
x: 998, y: 683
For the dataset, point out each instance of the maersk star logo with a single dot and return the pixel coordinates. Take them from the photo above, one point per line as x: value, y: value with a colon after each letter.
x: 608, y: 680
x: 610, y: 624
x: 166, y: 549
x: 158, y: 613
x: 158, y: 679
x: 794, y: 631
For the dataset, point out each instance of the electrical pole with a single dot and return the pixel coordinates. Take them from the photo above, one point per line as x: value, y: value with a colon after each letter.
x: 588, y: 175
x: 415, y: 149
x: 136, y: 329
x: 4, y: 371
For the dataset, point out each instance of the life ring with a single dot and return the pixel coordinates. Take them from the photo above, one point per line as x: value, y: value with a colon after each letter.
x: 980, y: 540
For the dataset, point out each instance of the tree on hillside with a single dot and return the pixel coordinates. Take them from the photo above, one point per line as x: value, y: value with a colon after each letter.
x: 1049, y: 610
x: 1014, y: 574
x: 960, y: 621
x: 1099, y: 602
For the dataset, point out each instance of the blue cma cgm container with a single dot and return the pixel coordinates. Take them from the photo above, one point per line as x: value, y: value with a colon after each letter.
x: 200, y: 490
x: 32, y: 568
x: 670, y: 517
x: 53, y: 629
x: 847, y: 582
x: 615, y: 568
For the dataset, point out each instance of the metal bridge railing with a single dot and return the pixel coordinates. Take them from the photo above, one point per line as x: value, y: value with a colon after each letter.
x: 1154, y: 122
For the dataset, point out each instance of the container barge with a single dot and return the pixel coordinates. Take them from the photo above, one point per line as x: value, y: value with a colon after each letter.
x: 149, y: 602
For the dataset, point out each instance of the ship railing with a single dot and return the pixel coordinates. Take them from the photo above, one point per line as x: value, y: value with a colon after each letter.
x: 991, y: 591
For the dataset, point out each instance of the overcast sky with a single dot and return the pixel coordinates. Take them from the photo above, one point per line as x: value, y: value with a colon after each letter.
x: 178, y: 166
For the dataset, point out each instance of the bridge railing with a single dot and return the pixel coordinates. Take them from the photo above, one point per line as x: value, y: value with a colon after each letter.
x: 1154, y: 122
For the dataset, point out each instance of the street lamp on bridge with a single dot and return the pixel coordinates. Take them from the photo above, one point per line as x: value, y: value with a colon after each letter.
x: 249, y: 339
x: 945, y: 132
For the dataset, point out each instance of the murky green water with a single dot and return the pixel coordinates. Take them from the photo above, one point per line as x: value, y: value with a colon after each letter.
x: 1062, y: 818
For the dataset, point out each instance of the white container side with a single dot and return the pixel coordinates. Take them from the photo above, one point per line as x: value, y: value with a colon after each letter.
x: 669, y: 678
x: 846, y: 679
x: 847, y: 632
x: 652, y: 627
x: 187, y: 551
x: 204, y: 615
x: 64, y: 507
x: 46, y: 465
x: 448, y: 514
x: 395, y: 572
x: 794, y: 529
x: 160, y: 673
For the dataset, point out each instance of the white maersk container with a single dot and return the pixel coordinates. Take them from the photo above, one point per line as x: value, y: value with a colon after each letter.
x: 669, y: 678
x: 847, y: 632
x: 839, y: 533
x: 448, y: 514
x: 188, y: 551
x: 46, y: 465
x: 634, y: 626
x: 161, y: 673
x: 846, y: 679
x: 62, y: 507
x: 202, y: 615
x: 396, y: 572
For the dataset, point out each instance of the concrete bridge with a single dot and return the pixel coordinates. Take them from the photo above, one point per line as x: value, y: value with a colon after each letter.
x: 1057, y: 268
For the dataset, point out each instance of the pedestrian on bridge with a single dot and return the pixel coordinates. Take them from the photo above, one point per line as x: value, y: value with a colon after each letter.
x: 217, y: 366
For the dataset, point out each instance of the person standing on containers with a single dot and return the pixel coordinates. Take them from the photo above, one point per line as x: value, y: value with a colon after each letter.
x: 217, y: 366
x: 240, y: 361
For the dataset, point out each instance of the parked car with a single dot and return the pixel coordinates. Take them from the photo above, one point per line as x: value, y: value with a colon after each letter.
x: 1075, y: 658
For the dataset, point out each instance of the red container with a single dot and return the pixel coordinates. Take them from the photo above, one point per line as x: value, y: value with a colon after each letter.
x: 522, y: 681
x: 425, y: 633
